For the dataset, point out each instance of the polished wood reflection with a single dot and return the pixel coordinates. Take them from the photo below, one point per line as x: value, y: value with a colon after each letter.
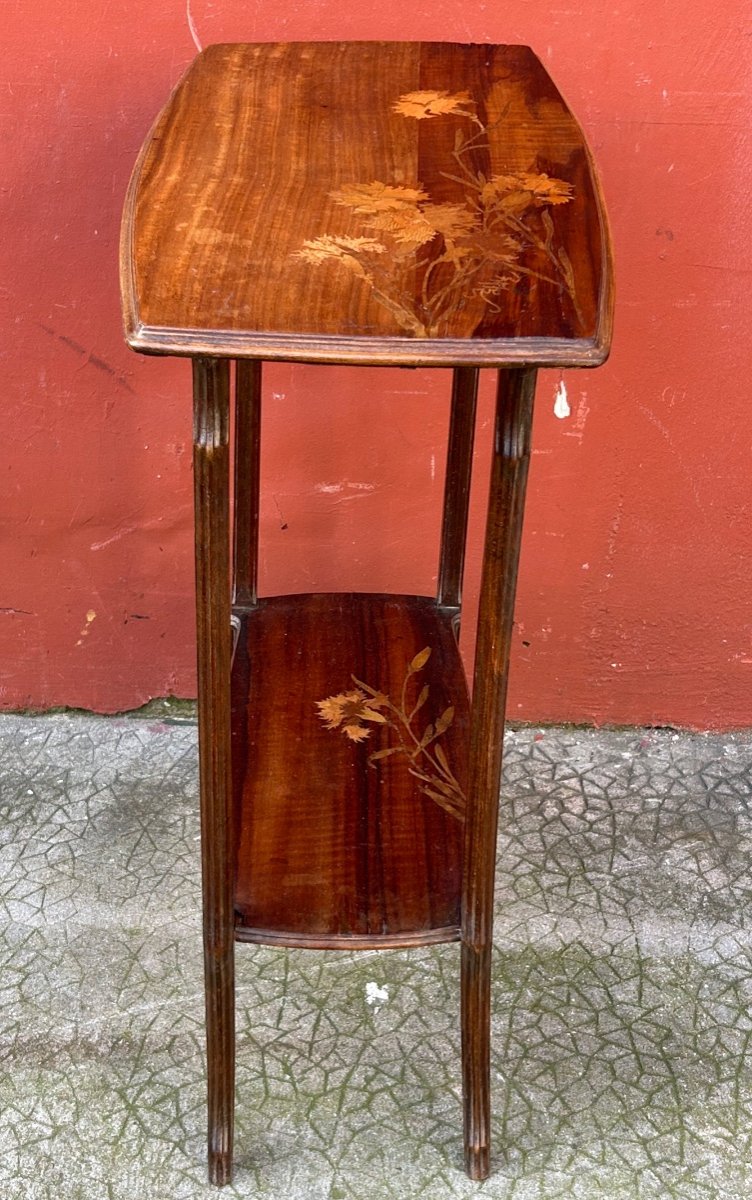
x: 369, y: 202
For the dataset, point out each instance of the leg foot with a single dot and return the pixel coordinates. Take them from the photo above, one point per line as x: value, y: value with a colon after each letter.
x: 477, y: 1163
x: 220, y: 1167
x: 476, y: 1058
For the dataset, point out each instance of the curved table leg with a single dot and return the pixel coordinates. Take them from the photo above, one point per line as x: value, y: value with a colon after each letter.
x: 496, y: 610
x: 211, y: 460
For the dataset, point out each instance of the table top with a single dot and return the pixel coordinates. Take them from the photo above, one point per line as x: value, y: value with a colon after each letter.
x: 369, y: 202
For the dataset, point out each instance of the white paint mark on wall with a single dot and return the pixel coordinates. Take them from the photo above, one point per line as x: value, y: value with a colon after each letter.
x: 580, y: 417
x: 375, y: 995
x: 334, y: 489
x: 192, y: 27
x: 666, y: 434
x: 561, y: 403
x: 433, y: 467
x: 137, y: 526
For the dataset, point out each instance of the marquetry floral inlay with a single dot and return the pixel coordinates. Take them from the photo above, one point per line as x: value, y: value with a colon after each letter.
x: 426, y: 261
x: 357, y: 711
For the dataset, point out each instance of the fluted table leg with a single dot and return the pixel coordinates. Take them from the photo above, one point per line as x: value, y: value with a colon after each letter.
x: 211, y: 462
x: 496, y: 610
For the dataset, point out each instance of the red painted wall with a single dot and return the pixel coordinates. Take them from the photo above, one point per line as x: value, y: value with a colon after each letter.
x: 634, y: 598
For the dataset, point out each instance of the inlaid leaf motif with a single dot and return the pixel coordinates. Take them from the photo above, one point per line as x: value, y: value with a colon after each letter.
x: 356, y: 733
x: 378, y: 197
x: 420, y: 701
x: 409, y: 227
x: 434, y: 104
x: 477, y: 249
x: 377, y: 754
x: 427, y: 761
x: 420, y: 660
x: 427, y: 736
x: 344, y: 250
x: 441, y: 756
x: 452, y: 221
x: 444, y: 721
x: 348, y: 711
x: 522, y: 189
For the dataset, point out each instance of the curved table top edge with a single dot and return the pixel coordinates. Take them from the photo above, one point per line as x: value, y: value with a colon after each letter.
x: 363, y: 350
x: 369, y: 351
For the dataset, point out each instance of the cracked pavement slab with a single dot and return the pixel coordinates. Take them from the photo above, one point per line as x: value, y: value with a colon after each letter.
x: 621, y: 998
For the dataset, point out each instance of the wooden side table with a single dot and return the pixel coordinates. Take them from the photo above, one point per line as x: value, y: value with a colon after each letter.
x: 425, y: 204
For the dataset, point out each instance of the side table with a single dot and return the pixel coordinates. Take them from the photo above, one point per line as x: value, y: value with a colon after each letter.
x: 372, y: 203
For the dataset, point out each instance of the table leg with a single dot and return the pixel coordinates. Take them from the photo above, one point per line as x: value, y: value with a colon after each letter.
x: 247, y: 471
x: 457, y: 486
x: 211, y: 465
x: 496, y: 609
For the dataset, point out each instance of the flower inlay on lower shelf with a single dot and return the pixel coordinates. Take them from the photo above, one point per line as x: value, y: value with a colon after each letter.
x: 498, y: 231
x: 356, y: 711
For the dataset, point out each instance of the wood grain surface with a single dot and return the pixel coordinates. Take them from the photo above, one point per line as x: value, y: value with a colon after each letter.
x: 334, y: 851
x: 501, y: 554
x: 211, y: 474
x: 367, y: 202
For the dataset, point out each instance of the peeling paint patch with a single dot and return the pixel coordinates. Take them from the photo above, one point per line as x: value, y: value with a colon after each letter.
x: 90, y: 616
x: 561, y: 403
x: 334, y: 489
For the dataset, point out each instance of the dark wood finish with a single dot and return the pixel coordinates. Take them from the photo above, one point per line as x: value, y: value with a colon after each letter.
x: 247, y: 478
x: 368, y: 202
x: 496, y: 611
x: 334, y: 852
x: 457, y: 487
x: 385, y: 203
x: 211, y: 464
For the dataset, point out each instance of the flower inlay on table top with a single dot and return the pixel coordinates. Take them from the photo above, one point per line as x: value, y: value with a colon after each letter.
x: 422, y: 260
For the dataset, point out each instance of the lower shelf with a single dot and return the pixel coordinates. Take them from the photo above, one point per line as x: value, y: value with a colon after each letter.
x: 336, y: 849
